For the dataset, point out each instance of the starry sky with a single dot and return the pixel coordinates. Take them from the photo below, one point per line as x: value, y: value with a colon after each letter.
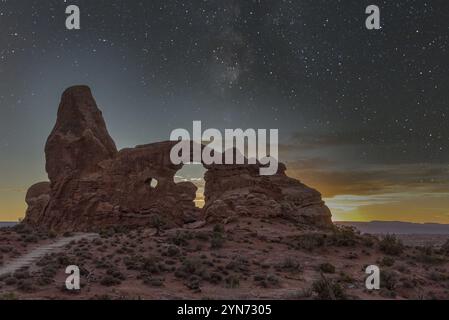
x: 363, y: 115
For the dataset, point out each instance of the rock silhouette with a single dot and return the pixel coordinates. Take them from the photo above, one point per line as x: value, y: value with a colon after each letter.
x: 94, y: 186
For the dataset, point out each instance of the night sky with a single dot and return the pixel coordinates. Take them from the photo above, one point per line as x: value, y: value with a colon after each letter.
x: 363, y: 115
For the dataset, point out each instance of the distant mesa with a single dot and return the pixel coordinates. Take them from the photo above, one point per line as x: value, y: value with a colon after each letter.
x: 94, y: 186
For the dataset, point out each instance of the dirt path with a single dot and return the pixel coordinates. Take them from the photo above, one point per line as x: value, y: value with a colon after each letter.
x: 31, y: 257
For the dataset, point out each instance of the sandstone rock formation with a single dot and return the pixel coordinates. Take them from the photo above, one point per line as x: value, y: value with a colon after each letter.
x: 233, y: 191
x: 94, y: 186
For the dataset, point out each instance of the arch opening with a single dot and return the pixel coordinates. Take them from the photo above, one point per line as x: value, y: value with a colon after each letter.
x: 193, y: 173
x: 152, y: 182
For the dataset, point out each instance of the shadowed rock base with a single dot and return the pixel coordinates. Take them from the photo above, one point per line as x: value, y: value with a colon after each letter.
x: 94, y: 186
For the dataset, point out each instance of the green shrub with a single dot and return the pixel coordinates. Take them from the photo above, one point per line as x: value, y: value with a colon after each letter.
x: 25, y: 285
x: 328, y: 290
x: 8, y: 296
x: 445, y: 248
x: 290, y: 264
x: 267, y: 280
x: 428, y: 255
x: 154, y: 282
x: 327, y: 268
x: 387, y: 261
x: 217, y: 241
x: 109, y: 281
x: 388, y: 280
x: 232, y: 282
x: 173, y: 251
x: 391, y: 245
x: 344, y: 237
x: 310, y: 241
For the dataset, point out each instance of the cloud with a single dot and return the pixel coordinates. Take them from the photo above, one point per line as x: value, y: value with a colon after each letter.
x: 373, y: 179
x: 13, y: 189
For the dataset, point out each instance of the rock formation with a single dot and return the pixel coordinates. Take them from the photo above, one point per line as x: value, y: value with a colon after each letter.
x: 94, y: 186
x: 233, y: 191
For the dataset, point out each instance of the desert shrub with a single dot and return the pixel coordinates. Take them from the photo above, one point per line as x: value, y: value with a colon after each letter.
x: 202, y: 236
x: 63, y: 260
x: 445, y: 248
x: 300, y: 294
x: 157, y: 222
x: 387, y: 261
x: 194, y: 283
x: 215, y: 278
x: 238, y: 264
x: 232, y: 282
x: 154, y: 282
x: 438, y: 276
x: 344, y: 277
x: 327, y: 268
x: 22, y: 229
x: 109, y: 281
x: 391, y: 245
x: 428, y: 255
x: 310, y: 241
x: 107, y: 233
x: 52, y: 234
x: 218, y: 237
x: 25, y: 285
x: 30, y: 238
x: 44, y: 281
x: 328, y: 290
x: 150, y: 265
x: 217, y: 241
x: 8, y: 296
x: 116, y: 274
x: 344, y: 237
x: 9, y: 281
x: 22, y: 274
x: 290, y: 264
x: 267, y: 280
x: 368, y: 240
x: 388, y: 280
x: 6, y: 249
x: 219, y: 228
x: 180, y: 238
x: 191, y: 267
x: 173, y: 251
x: 105, y: 264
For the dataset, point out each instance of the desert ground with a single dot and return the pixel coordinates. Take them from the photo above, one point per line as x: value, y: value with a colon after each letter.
x: 245, y: 259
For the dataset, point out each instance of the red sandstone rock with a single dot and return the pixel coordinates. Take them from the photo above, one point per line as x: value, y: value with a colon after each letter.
x: 233, y: 191
x: 92, y: 186
x: 37, y: 199
x: 79, y: 140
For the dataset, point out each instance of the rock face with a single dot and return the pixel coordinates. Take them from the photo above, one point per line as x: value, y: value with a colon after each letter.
x: 233, y: 191
x: 37, y: 199
x: 79, y: 140
x: 94, y: 186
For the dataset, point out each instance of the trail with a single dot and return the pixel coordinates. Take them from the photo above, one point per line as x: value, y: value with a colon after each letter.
x: 30, y: 258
